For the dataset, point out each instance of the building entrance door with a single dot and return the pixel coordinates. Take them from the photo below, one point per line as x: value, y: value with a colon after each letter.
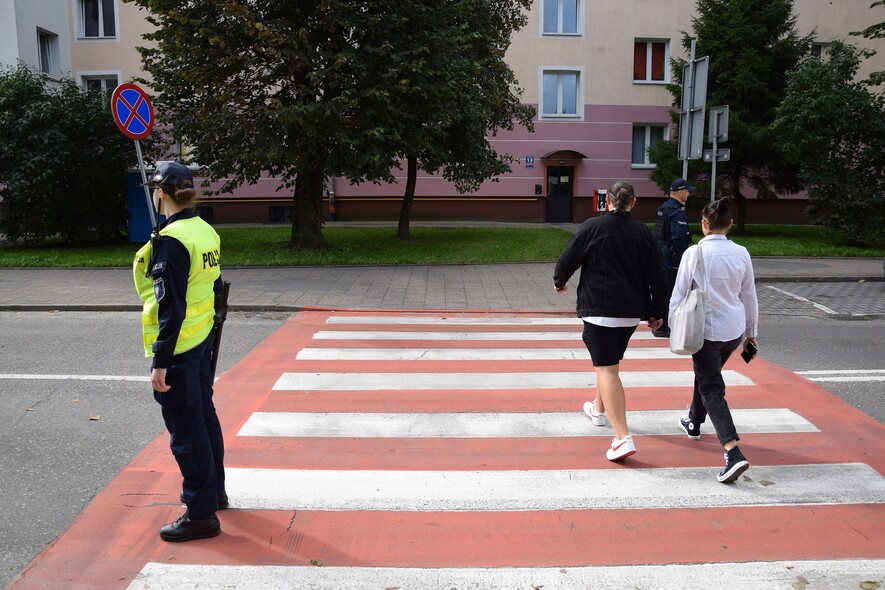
x: 560, y: 183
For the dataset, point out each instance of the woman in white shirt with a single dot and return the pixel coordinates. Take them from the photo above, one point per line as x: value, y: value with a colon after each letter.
x: 732, y: 318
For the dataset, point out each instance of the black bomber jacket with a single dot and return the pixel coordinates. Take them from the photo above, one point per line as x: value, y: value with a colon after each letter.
x: 622, y: 273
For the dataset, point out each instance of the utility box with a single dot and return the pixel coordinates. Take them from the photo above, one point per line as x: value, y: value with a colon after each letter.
x: 139, y: 215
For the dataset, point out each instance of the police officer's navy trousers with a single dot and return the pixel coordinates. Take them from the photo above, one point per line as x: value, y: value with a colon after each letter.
x: 194, y: 429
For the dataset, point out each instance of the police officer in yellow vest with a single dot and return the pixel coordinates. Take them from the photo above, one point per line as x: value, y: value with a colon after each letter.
x: 177, y: 275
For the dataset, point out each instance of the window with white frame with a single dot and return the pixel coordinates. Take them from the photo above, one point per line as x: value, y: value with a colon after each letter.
x: 561, y: 95
x: 47, y: 45
x: 561, y: 17
x: 100, y: 82
x: 819, y: 50
x: 645, y: 137
x: 650, y: 61
x: 97, y: 18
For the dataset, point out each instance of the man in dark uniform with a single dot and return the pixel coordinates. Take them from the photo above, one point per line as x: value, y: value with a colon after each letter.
x: 674, y: 237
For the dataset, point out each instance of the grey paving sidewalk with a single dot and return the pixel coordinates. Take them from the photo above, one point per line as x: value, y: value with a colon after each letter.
x: 522, y: 286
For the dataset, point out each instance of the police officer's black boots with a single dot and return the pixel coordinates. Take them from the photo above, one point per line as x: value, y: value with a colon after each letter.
x: 188, y: 529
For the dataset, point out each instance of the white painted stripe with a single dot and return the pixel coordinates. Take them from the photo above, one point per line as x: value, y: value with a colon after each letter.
x: 424, y: 335
x: 500, y: 425
x: 470, y: 354
x: 843, y: 372
x: 416, y: 381
x: 817, y: 573
x: 835, y: 379
x: 823, y: 308
x: 696, y: 487
x: 141, y: 378
x: 845, y: 375
x: 455, y: 320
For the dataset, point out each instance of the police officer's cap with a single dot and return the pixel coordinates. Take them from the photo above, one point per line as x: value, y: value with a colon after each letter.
x: 681, y: 184
x: 170, y: 173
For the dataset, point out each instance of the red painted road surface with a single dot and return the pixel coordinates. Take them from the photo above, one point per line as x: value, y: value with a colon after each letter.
x: 116, y: 535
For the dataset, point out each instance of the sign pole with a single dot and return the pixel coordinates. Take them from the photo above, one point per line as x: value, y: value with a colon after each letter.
x: 147, y: 190
x: 714, y: 129
x: 134, y: 115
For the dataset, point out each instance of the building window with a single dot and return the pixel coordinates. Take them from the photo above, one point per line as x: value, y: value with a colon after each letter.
x: 819, y: 50
x: 561, y: 17
x: 646, y: 137
x: 97, y: 18
x: 280, y: 213
x: 561, y: 94
x: 47, y: 44
x: 100, y: 83
x: 650, y: 61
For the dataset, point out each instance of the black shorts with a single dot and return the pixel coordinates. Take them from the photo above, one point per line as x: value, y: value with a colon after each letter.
x: 606, y: 345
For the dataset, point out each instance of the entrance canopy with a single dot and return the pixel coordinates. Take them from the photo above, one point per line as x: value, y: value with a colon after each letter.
x: 563, y: 156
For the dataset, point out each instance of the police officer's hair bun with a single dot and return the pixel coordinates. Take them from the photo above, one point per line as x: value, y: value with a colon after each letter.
x: 620, y: 195
x: 182, y: 192
x: 718, y: 214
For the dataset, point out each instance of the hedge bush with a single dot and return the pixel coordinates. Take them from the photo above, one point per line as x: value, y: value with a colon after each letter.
x: 63, y: 161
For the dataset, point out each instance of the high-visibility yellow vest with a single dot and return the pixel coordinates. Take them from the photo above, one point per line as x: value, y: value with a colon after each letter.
x: 204, y: 246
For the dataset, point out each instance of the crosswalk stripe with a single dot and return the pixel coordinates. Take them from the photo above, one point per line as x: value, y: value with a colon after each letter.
x: 472, y: 354
x: 284, y: 489
x: 763, y: 575
x: 538, y: 380
x: 467, y: 336
x: 405, y: 320
x: 498, y: 425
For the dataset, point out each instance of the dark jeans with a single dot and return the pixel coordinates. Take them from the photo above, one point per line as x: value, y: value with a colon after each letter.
x: 709, y: 388
x: 195, y: 432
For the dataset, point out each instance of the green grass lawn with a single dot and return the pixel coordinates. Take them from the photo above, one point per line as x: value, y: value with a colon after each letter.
x: 268, y: 246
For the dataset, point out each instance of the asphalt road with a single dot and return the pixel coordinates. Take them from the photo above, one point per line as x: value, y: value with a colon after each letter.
x: 61, y: 441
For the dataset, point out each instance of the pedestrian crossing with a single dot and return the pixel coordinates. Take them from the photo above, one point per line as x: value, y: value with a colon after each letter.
x: 383, y: 386
x: 416, y: 450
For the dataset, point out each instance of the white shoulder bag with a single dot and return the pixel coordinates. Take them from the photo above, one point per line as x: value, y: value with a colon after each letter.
x: 687, y: 323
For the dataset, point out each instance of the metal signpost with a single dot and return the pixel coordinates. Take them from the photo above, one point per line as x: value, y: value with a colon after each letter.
x: 718, y: 133
x: 134, y: 115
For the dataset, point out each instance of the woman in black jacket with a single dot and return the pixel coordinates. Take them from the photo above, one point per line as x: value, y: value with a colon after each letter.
x: 622, y: 282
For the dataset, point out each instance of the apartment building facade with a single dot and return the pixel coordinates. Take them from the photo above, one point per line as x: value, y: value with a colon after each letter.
x: 596, y: 73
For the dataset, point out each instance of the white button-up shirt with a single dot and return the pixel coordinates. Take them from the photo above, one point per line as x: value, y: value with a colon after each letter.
x: 729, y: 288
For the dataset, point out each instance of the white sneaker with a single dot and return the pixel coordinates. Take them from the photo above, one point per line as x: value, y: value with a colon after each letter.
x: 621, y: 448
x: 598, y: 418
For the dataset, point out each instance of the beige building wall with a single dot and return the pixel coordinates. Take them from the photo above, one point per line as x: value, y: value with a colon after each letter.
x: 835, y: 19
x: 109, y: 56
x: 604, y: 47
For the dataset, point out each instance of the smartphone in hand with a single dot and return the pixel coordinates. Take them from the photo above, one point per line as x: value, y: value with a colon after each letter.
x: 749, y: 353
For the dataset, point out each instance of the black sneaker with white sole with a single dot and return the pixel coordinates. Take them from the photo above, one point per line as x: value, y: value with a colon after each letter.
x: 690, y: 428
x: 735, y: 464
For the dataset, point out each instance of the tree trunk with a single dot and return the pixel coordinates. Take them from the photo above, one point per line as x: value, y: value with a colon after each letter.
x: 307, y: 210
x: 405, y: 211
x: 740, y: 199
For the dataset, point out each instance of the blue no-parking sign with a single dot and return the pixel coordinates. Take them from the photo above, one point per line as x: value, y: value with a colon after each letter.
x: 134, y: 115
x: 132, y: 110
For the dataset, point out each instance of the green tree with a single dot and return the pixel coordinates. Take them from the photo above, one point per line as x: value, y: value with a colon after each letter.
x: 833, y: 127
x: 874, y: 31
x: 307, y: 90
x: 752, y: 44
x: 62, y: 161
x: 452, y: 89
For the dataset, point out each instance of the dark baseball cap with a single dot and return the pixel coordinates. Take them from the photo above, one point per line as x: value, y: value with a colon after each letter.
x: 170, y: 173
x: 680, y: 184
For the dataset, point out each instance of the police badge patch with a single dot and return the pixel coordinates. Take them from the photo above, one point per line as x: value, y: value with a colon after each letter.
x: 159, y: 289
